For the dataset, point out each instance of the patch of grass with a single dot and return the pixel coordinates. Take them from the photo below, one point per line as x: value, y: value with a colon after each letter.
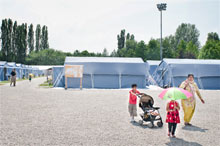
x: 9, y: 81
x: 21, y: 79
x: 47, y: 84
x: 5, y: 82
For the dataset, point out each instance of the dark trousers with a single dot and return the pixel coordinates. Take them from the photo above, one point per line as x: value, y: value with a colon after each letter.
x: 172, y: 128
x: 13, y: 80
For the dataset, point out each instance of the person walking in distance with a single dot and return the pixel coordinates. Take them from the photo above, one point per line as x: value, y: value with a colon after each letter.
x: 13, y: 77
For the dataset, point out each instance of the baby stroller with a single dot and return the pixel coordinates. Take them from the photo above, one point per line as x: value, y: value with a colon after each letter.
x: 151, y: 114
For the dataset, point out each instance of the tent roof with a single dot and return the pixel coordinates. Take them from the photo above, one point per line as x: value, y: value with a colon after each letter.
x: 153, y: 62
x: 12, y: 64
x: 19, y: 64
x: 104, y: 59
x: 45, y: 67
x: 109, y: 65
x: 191, y: 61
x: 3, y: 63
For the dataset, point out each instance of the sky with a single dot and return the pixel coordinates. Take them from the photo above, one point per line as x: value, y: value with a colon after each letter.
x: 94, y: 24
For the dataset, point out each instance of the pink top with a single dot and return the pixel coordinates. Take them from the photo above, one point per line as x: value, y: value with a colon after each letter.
x: 133, y: 98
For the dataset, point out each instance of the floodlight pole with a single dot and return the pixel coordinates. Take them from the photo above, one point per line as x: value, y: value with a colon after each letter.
x: 161, y: 7
x: 161, y: 49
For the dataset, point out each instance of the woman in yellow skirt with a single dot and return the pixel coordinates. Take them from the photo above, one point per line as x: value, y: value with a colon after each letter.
x: 190, y: 103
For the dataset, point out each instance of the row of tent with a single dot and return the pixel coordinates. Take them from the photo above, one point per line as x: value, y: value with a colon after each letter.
x: 171, y: 72
x: 22, y: 71
x: 116, y: 72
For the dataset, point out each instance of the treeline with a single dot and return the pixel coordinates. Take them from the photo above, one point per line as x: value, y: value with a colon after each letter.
x: 17, y: 41
x: 54, y: 57
x: 183, y: 44
x: 21, y: 44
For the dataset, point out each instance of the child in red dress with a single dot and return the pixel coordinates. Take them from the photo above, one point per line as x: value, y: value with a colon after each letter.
x: 172, y: 116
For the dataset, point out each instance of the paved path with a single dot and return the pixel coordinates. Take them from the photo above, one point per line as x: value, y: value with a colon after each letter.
x: 30, y: 115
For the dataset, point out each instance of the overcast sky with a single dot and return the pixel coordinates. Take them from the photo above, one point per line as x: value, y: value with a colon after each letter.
x: 94, y: 24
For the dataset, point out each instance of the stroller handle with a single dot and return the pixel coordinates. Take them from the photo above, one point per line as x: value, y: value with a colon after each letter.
x: 138, y: 95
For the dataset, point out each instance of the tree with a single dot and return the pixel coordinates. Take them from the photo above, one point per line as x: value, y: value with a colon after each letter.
x: 9, y: 40
x: 44, y: 38
x: 16, y: 39
x: 84, y: 53
x: 38, y: 37
x: 213, y: 36
x: 18, y: 43
x: 132, y: 37
x: 211, y: 50
x: 128, y: 36
x: 187, y: 33
x: 21, y: 43
x: 105, y: 52
x: 126, y: 45
x: 31, y: 38
x: 46, y: 57
x: 4, y: 42
x: 168, y: 47
x: 24, y: 41
x: 76, y: 53
x: 114, y: 54
x: 181, y: 49
x: 122, y: 52
x: 14, y: 45
x: 153, y: 50
x: 131, y: 46
x: 141, y: 50
x: 191, y: 50
x: 1, y: 55
x: 121, y: 39
x: 6, y: 37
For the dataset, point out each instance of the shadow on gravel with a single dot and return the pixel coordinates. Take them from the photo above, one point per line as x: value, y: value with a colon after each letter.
x: 194, y: 128
x: 144, y: 126
x: 181, y: 142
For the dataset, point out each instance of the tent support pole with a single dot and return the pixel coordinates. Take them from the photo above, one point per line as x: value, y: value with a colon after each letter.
x: 92, y: 80
x: 119, y: 80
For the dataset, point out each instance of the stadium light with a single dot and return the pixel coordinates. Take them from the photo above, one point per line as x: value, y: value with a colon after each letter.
x: 161, y: 7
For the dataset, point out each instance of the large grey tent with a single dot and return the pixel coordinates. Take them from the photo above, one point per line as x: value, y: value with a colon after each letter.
x: 104, y: 72
x: 152, y: 65
x: 21, y: 70
x: 171, y: 72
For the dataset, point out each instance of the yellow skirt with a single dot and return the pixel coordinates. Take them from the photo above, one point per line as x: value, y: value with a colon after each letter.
x: 188, y: 109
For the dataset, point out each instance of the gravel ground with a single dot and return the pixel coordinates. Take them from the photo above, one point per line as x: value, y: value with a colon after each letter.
x: 31, y: 116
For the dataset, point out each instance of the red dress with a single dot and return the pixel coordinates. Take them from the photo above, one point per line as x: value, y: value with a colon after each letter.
x: 173, y: 116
